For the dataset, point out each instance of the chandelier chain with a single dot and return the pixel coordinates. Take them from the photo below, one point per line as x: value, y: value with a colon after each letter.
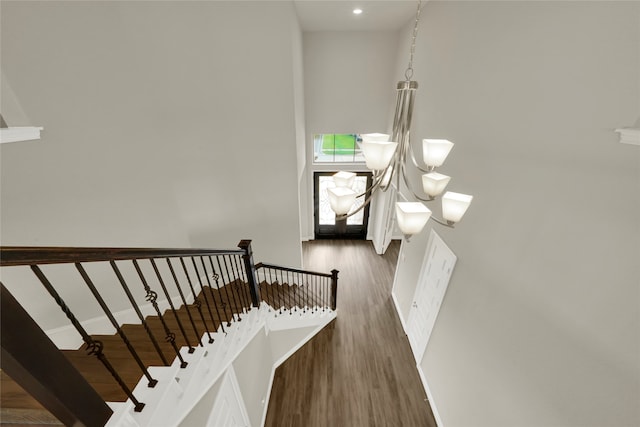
x: 408, y: 74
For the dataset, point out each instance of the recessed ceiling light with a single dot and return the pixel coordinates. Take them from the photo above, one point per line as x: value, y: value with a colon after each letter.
x: 357, y: 11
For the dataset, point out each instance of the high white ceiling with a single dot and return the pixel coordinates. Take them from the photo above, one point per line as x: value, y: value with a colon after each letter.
x: 337, y: 15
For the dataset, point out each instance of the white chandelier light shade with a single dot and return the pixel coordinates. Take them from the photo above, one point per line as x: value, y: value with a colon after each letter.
x: 341, y: 199
x: 435, y: 151
x: 434, y: 183
x: 383, y: 137
x: 344, y: 179
x: 377, y: 150
x: 412, y: 217
x: 378, y: 154
x: 454, y: 205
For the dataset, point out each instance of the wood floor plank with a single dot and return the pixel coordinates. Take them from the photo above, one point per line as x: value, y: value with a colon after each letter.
x: 359, y: 370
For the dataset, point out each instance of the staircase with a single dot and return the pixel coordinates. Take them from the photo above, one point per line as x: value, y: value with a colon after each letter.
x: 159, y: 386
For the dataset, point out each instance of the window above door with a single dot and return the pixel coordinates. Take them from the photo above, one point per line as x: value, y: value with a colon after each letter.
x: 337, y: 148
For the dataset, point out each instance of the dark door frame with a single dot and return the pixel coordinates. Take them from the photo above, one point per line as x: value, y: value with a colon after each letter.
x: 332, y: 231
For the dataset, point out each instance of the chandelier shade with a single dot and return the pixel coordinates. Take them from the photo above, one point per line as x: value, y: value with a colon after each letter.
x: 378, y: 154
x: 435, y: 151
x: 341, y: 199
x: 412, y: 217
x: 344, y: 179
x: 434, y: 183
x: 454, y: 206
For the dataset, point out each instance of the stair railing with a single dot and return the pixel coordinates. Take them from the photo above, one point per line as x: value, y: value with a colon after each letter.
x: 309, y: 289
x: 228, y: 282
x: 224, y: 286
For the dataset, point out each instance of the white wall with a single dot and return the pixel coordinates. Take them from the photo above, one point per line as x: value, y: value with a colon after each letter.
x: 541, y: 322
x: 349, y: 88
x: 166, y: 124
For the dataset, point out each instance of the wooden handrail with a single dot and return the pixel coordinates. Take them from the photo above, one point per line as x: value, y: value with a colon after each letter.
x: 293, y: 270
x: 39, y: 255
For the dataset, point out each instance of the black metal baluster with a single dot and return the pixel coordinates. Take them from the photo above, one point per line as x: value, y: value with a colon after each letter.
x: 294, y: 289
x: 316, y: 290
x: 173, y: 309
x: 274, y: 292
x: 138, y: 312
x: 268, y: 292
x: 152, y: 297
x: 215, y: 277
x: 285, y: 294
x: 309, y: 289
x: 325, y: 294
x: 299, y: 289
x: 246, y: 286
x: 235, y: 289
x: 204, y: 295
x: 310, y: 296
x: 184, y: 301
x: 246, y: 302
x: 303, y: 290
x: 238, y: 282
x: 94, y: 347
x: 114, y: 322
x: 230, y: 284
x: 225, y: 284
x: 276, y: 288
x: 288, y: 291
x: 280, y: 287
x: 196, y: 301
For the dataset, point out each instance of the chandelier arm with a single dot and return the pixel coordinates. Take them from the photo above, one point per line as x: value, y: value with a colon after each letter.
x: 390, y: 170
x: 415, y: 162
x: 442, y: 222
x: 396, y: 116
x: 376, y: 183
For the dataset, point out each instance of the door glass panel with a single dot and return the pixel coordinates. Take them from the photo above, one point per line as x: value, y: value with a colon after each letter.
x: 326, y: 215
x: 359, y: 186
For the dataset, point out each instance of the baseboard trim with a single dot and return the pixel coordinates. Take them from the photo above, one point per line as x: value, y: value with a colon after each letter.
x: 432, y: 403
x: 398, y: 312
x: 423, y: 378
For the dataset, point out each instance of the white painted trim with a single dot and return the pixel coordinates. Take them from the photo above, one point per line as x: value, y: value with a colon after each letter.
x: 19, y: 133
x: 395, y: 303
x: 629, y: 135
x: 432, y: 404
x: 423, y: 378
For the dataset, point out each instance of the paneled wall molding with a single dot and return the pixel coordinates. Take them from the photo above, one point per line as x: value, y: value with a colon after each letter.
x: 629, y: 135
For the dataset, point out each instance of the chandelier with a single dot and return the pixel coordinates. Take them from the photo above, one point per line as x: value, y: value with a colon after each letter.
x: 387, y: 156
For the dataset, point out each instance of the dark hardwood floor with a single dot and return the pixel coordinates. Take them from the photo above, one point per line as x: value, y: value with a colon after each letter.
x: 359, y: 370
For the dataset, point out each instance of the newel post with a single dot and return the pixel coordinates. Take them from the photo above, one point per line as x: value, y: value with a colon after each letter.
x: 334, y: 288
x: 250, y: 268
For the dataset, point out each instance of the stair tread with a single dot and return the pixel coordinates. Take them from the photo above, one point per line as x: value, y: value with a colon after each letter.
x: 223, y: 306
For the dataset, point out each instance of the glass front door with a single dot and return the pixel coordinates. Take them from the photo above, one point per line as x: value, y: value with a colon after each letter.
x: 325, y: 218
